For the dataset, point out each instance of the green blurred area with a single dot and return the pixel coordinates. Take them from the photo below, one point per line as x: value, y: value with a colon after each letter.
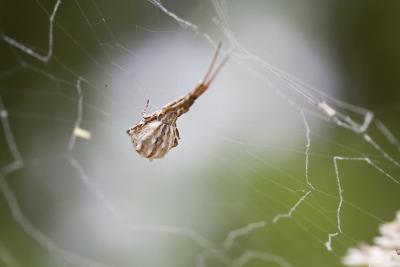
x: 245, y: 186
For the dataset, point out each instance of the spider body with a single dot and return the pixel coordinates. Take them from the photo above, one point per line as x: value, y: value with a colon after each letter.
x: 156, y: 134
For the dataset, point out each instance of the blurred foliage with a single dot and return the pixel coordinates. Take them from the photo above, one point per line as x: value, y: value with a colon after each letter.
x: 365, y: 38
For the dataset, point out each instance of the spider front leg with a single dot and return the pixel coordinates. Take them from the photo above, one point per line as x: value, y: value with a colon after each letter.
x: 146, y: 107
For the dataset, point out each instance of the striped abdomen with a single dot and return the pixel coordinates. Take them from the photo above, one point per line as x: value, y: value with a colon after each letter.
x: 154, y: 139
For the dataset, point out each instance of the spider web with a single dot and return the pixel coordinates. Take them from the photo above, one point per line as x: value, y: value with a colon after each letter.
x: 270, y: 171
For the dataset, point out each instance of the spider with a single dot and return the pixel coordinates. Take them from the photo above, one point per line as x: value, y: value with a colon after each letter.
x: 156, y: 134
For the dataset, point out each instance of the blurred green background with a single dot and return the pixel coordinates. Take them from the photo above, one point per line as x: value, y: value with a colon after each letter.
x: 241, y: 158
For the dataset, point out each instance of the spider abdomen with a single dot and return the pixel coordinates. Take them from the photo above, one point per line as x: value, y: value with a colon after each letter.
x: 154, y: 139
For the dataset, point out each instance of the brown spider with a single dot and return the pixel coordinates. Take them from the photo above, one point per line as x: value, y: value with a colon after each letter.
x: 157, y: 133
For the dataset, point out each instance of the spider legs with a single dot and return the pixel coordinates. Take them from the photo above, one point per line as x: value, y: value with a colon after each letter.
x: 146, y: 107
